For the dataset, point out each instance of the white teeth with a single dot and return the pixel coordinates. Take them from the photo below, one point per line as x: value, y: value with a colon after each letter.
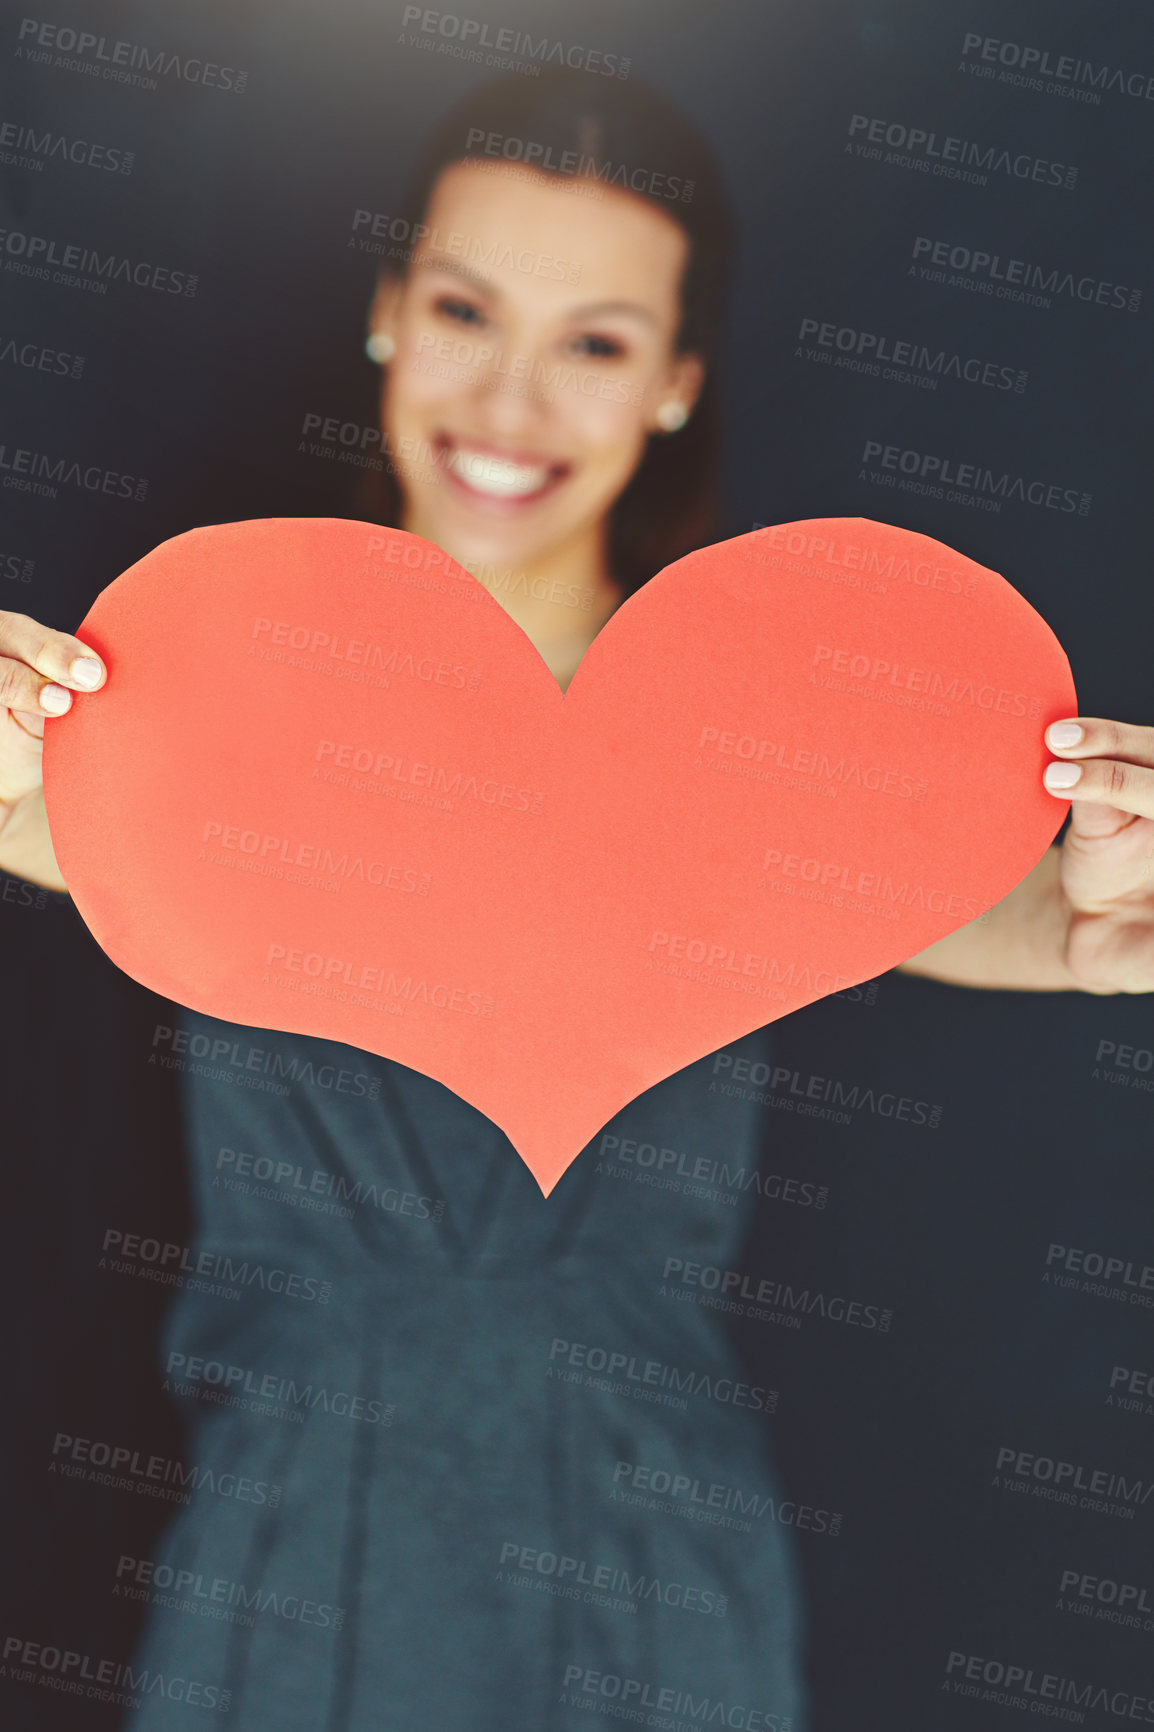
x: 496, y: 475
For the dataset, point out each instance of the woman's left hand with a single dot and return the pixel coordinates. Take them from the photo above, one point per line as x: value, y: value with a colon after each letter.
x: 1106, y: 861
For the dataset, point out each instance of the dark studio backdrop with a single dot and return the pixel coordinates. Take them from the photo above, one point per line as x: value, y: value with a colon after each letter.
x: 928, y: 1440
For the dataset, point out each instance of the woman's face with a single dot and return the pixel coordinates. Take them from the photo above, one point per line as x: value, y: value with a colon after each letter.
x: 534, y: 340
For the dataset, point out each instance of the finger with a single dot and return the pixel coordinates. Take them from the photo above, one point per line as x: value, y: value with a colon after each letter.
x: 56, y: 655
x: 23, y: 689
x: 1104, y: 793
x: 1101, y: 739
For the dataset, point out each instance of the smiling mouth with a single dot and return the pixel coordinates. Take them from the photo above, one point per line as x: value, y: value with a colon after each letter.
x: 497, y: 479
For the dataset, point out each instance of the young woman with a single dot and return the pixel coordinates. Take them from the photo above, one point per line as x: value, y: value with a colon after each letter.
x: 489, y: 1478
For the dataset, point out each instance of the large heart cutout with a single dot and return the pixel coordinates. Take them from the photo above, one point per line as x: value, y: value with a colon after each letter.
x: 332, y: 788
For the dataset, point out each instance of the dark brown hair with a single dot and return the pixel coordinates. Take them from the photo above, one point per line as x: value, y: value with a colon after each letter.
x: 630, y: 136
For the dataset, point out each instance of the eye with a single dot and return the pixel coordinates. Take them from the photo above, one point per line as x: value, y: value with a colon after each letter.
x: 463, y: 312
x: 598, y: 347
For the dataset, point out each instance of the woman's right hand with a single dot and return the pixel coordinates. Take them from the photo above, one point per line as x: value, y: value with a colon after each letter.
x: 39, y: 671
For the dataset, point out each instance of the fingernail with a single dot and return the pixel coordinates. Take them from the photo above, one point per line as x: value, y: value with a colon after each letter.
x: 1064, y: 734
x: 54, y: 699
x: 1062, y: 775
x: 86, y: 671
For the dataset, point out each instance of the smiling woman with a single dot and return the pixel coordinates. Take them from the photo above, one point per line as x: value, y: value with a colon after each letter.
x: 459, y: 1456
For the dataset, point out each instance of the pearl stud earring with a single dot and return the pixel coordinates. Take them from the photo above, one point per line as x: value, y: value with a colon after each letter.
x: 380, y: 347
x: 672, y: 416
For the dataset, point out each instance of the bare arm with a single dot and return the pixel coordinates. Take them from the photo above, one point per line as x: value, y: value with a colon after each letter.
x: 26, y: 845
x: 1083, y: 920
x: 1019, y: 945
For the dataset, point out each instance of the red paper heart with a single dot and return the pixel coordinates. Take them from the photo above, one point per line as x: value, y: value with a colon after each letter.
x: 332, y: 788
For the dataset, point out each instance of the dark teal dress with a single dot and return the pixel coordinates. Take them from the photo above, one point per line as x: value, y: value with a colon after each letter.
x: 456, y: 1460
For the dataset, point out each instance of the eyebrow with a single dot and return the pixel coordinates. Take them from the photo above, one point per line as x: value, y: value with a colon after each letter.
x: 443, y: 262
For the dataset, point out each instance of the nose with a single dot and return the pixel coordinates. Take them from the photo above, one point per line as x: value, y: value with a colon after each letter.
x: 511, y: 401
